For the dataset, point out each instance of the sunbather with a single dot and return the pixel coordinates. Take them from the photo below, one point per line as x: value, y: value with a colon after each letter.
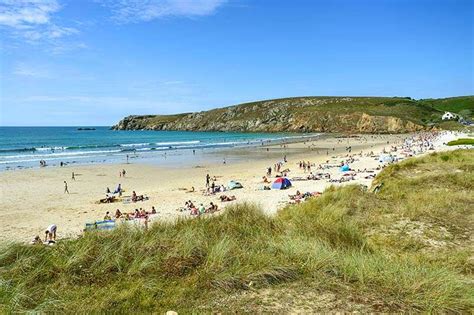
x: 194, y: 210
x: 136, y: 214
x: 136, y: 197
x: 212, y: 208
x: 107, y: 199
x: 118, y: 214
x: 202, y: 209
x: 225, y: 198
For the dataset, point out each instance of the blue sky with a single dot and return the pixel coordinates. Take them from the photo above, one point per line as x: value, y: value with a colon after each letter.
x: 91, y: 62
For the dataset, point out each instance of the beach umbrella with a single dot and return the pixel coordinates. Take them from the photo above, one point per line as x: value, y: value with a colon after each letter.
x: 345, y: 168
x: 281, y: 183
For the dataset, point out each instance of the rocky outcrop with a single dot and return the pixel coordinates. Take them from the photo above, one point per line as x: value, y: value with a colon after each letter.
x: 353, y: 115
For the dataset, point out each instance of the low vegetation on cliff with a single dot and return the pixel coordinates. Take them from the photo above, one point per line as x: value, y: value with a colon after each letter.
x: 407, y: 248
x: 310, y: 114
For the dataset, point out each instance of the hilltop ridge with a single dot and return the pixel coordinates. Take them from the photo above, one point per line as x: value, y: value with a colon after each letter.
x: 310, y: 114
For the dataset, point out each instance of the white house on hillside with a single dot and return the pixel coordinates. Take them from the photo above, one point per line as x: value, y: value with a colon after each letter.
x: 449, y: 116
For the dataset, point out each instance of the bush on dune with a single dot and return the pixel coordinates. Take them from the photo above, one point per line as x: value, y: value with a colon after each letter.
x: 342, y: 240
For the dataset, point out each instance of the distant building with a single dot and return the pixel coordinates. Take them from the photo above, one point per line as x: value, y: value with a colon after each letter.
x: 449, y: 116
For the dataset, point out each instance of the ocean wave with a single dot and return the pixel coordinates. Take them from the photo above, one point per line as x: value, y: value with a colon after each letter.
x: 17, y: 150
x: 53, y: 155
x: 58, y: 148
x: 135, y: 144
x: 93, y: 146
x: 51, y: 148
x: 176, y: 143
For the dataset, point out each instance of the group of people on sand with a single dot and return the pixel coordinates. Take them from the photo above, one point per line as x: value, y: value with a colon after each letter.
x: 137, y: 214
x: 318, y: 176
x: 189, y: 206
x: 49, y: 236
x: 298, y: 197
x: 305, y: 165
x: 214, y: 189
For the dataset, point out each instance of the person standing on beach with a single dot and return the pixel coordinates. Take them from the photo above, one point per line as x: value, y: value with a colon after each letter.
x: 73, y: 177
x: 65, y: 187
x: 207, y: 180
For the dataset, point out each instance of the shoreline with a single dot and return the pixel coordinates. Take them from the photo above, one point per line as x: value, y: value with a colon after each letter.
x: 34, y: 198
x: 146, y: 153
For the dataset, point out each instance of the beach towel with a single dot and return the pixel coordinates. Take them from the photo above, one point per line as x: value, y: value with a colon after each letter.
x: 101, y: 225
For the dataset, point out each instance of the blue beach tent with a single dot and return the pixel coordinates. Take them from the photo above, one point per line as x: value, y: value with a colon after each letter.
x: 345, y: 168
x: 281, y: 183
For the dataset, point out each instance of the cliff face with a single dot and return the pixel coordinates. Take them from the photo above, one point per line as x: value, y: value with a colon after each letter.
x: 308, y: 114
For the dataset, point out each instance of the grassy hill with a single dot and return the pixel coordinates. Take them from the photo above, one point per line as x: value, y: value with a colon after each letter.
x: 407, y: 248
x: 309, y: 114
x: 452, y: 104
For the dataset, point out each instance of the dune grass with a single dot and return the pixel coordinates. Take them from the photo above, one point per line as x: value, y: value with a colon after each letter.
x: 406, y: 248
x: 462, y: 141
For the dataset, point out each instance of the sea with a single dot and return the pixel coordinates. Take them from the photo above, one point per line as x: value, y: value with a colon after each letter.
x: 25, y: 147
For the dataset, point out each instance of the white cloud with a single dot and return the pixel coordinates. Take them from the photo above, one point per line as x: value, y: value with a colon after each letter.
x: 25, y: 70
x: 33, y: 20
x: 23, y: 14
x: 132, y: 11
x: 65, y: 47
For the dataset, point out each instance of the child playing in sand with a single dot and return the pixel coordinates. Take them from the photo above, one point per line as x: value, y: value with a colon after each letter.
x: 37, y: 241
x: 51, y: 234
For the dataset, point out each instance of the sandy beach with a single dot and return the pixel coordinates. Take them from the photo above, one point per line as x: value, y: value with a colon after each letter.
x: 32, y: 199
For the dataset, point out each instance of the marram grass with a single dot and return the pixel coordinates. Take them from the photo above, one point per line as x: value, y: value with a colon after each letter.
x: 404, y: 249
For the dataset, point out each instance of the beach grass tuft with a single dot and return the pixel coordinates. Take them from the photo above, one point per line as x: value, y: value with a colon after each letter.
x: 406, y: 248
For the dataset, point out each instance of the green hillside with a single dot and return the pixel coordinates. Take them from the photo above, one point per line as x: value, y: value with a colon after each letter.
x: 407, y: 248
x: 310, y: 114
x: 461, y: 105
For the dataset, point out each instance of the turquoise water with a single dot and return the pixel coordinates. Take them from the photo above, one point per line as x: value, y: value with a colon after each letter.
x: 22, y: 147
